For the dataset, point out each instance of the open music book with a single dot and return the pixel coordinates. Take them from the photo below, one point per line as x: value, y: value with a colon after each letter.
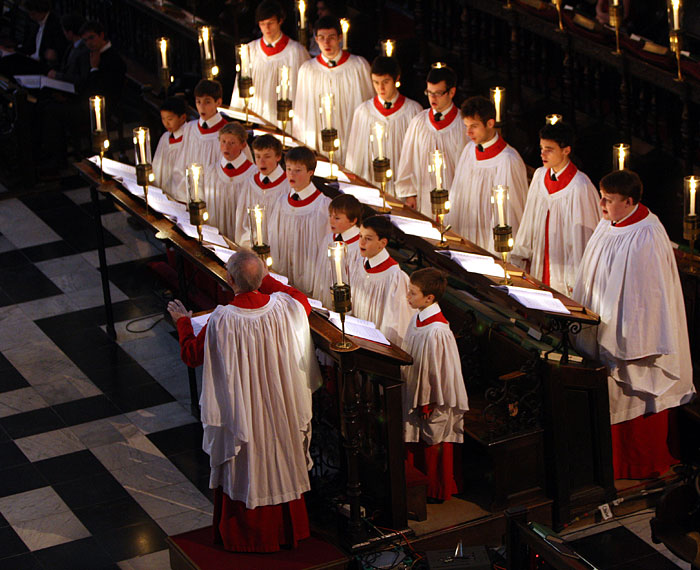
x: 41, y: 81
x: 359, y: 328
x: 535, y: 299
x: 475, y: 263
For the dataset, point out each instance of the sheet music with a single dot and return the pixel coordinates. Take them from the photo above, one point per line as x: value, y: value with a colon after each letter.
x: 209, y: 233
x: 223, y: 253
x: 281, y: 278
x: 365, y: 194
x: 535, y: 299
x: 288, y: 140
x: 323, y: 169
x: 475, y: 263
x: 359, y: 328
x: 40, y: 81
x: 114, y: 168
x: 420, y: 228
x: 239, y: 115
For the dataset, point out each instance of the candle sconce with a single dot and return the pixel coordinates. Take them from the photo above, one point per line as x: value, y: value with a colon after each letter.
x: 98, y: 129
x: 207, y: 53
x: 142, y: 155
x: 195, y: 192
x: 674, y: 9
x: 439, y: 196
x: 616, y: 11
x: 498, y: 98
x: 502, y: 231
x: 381, y: 163
x: 245, y: 77
x: 258, y: 234
x: 330, y: 142
x: 340, y: 288
x: 284, y: 101
x: 691, y: 228
x: 164, y: 76
x: 621, y: 156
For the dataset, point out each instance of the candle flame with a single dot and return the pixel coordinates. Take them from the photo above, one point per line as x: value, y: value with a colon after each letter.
x: 302, y: 14
x: 163, y: 44
x: 344, y: 25
x: 388, y: 47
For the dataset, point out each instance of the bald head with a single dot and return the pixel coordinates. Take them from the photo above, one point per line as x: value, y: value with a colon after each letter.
x: 246, y: 271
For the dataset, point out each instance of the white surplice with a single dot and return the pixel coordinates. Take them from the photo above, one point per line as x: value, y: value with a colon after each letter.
x: 628, y: 275
x: 167, y: 165
x: 358, y: 158
x: 322, y: 285
x: 471, y: 214
x: 296, y: 230
x: 224, y: 192
x: 202, y: 145
x: 265, y: 63
x: 425, y: 135
x: 350, y: 83
x: 379, y: 296
x: 259, y: 372
x: 255, y: 192
x: 435, y: 377
x: 569, y: 215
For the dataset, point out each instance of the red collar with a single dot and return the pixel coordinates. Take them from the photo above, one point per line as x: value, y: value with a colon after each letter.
x: 445, y: 120
x: 231, y: 172
x: 562, y: 180
x: 341, y: 61
x: 261, y: 184
x: 215, y: 129
x: 492, y: 151
x: 438, y: 318
x: 353, y: 239
x: 395, y: 107
x: 250, y: 300
x: 277, y: 48
x: 173, y: 140
x: 641, y: 213
x: 305, y: 202
x: 383, y: 266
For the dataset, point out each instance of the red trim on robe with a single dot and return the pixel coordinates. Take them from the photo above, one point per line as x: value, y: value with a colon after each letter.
x: 305, y: 201
x: 641, y: 213
x: 277, y: 48
x: 437, y: 318
x: 562, y: 180
x: 394, y: 108
x: 437, y: 462
x: 250, y: 300
x: 231, y: 172
x: 494, y: 150
x: 263, y: 529
x: 174, y: 140
x: 445, y: 120
x: 383, y: 266
x: 262, y: 185
x: 352, y: 239
x: 341, y: 61
x: 215, y: 129
x: 545, y: 263
x: 641, y: 447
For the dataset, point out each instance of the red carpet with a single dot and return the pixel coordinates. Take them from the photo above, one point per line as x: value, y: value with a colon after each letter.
x: 310, y: 553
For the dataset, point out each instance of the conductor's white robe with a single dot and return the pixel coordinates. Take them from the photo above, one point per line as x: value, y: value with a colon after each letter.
x: 425, y: 135
x: 349, y: 81
x: 265, y: 63
x: 297, y: 229
x: 259, y: 372
x: 435, y: 377
x: 379, y: 296
x: 167, y: 165
x: 471, y: 214
x: 358, y: 158
x: 563, y: 214
x: 628, y: 275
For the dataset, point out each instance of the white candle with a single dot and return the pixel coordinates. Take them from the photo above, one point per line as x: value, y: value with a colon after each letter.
x: 497, y: 103
x: 676, y: 4
x: 164, y: 52
x: 327, y: 109
x: 258, y: 225
x: 205, y: 42
x: 142, y: 145
x: 98, y: 113
x: 437, y: 165
x: 195, y: 182
x: 345, y: 26
x: 388, y: 48
x: 284, y: 82
x: 693, y: 183
x: 621, y: 157
x: 302, y: 14
x: 338, y: 254
x: 501, y: 213
x: 379, y: 133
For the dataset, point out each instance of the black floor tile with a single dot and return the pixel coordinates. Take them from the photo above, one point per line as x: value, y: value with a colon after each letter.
x: 609, y: 549
x: 19, y: 479
x: 106, y: 517
x: 131, y: 541
x: 3, y: 521
x: 31, y: 423
x: 49, y: 250
x: 5, y: 299
x: 140, y: 397
x: 69, y: 467
x: 135, y: 278
x: 12, y: 259
x: 26, y: 561
x: 108, y: 356
x: 10, y: 456
x: 46, y: 201
x: 26, y: 283
x: 88, y: 491
x: 194, y: 464
x: 3, y: 435
x: 106, y: 207
x: 10, y: 379
x: 84, y: 554
x: 178, y: 439
x: 10, y: 544
x: 86, y: 410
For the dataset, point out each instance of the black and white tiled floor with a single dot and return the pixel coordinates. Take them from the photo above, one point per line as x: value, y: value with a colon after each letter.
x: 100, y: 458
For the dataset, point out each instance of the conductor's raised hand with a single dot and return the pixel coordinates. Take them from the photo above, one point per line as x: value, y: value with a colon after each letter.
x: 177, y: 310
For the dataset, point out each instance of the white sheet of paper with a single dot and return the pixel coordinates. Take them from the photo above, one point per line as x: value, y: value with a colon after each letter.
x: 365, y: 194
x: 535, y: 299
x: 114, y: 168
x: 29, y: 81
x: 223, y: 253
x: 359, y: 328
x: 239, y: 115
x: 281, y: 278
x: 209, y: 233
x: 420, y: 228
x: 475, y: 263
x: 323, y: 169
x: 199, y: 322
x: 288, y: 140
x: 315, y: 303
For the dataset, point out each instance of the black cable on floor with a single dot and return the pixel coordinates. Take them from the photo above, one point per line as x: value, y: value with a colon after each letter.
x: 143, y: 319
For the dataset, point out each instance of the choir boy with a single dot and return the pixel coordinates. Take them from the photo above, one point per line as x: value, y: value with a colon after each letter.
x: 298, y: 225
x: 628, y: 275
x: 267, y: 54
x: 381, y: 286
x: 334, y: 71
x: 436, y: 128
x: 560, y: 215
x: 388, y: 107
x: 224, y: 182
x: 345, y: 213
x: 435, y: 398
x: 168, y: 157
x: 269, y: 186
x: 487, y: 160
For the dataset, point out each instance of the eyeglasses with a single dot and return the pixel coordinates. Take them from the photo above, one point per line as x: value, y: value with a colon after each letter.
x: 435, y: 93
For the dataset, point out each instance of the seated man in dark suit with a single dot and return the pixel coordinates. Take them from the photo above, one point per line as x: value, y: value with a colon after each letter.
x: 43, y: 40
x: 74, y: 67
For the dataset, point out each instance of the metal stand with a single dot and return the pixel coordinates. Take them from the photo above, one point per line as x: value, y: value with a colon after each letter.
x: 104, y: 274
x: 503, y: 244
x: 342, y: 303
x: 615, y: 13
x: 381, y: 169
x: 676, y: 47
x: 284, y: 109
x: 691, y: 230
x: 328, y: 138
x: 565, y: 326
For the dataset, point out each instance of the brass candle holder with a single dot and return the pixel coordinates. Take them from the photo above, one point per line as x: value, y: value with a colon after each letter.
x: 258, y: 234
x: 559, y: 5
x: 142, y: 156
x: 302, y: 23
x: 674, y: 10
x: 330, y: 143
x: 284, y: 102
x: 381, y: 163
x: 164, y: 77
x: 340, y: 289
x: 197, y: 207
x: 439, y: 196
x: 207, y: 52
x: 245, y: 78
x: 691, y: 227
x: 615, y: 11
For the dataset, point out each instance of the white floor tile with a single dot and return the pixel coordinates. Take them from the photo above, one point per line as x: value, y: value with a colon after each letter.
x: 49, y: 444
x: 162, y: 417
x: 32, y: 505
x: 51, y: 530
x: 21, y: 400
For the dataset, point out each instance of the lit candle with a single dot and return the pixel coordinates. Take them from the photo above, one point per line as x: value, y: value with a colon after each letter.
x: 388, y: 48
x: 284, y: 82
x: 437, y: 165
x: 621, y: 157
x: 163, y: 43
x: 379, y: 133
x: 693, y: 184
x: 302, y: 14
x: 196, y: 171
x: 337, y: 256
x: 98, y: 113
x: 327, y: 109
x: 142, y: 145
x: 205, y: 41
x: 258, y: 224
x: 552, y: 119
x: 615, y: 2
x: 497, y: 103
x: 676, y: 5
x: 345, y: 26
x: 501, y: 213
